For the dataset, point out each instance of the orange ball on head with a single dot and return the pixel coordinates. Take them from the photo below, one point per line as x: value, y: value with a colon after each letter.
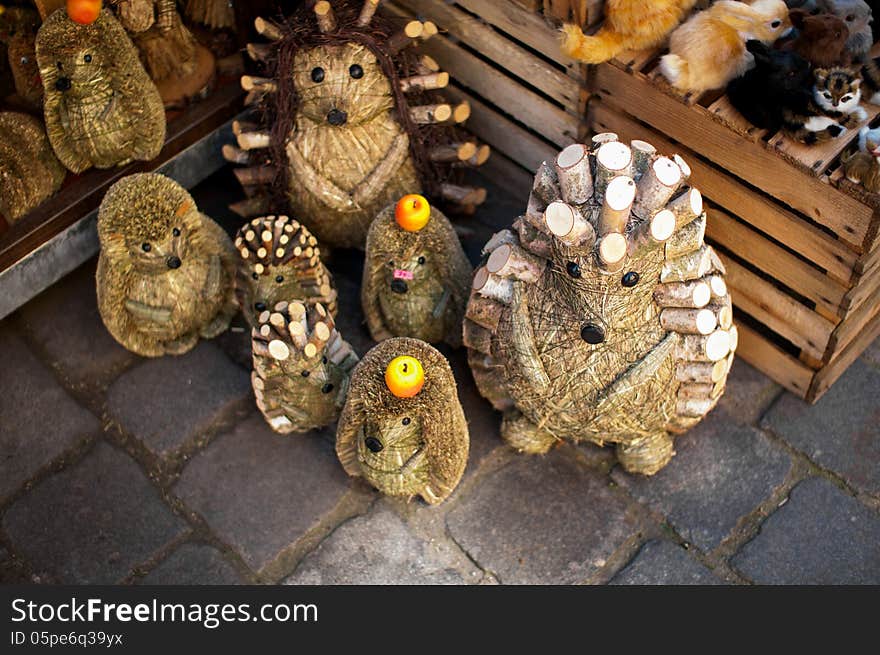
x: 405, y: 376
x: 84, y: 12
x: 412, y: 212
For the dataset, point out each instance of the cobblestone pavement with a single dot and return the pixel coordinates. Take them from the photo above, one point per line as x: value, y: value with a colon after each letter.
x: 115, y: 468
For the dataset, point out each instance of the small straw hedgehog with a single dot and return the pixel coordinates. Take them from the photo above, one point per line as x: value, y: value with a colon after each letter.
x: 416, y: 275
x: 602, y: 316
x: 402, y: 427
x: 301, y: 367
x: 29, y: 170
x: 279, y: 260
x: 101, y: 107
x: 18, y: 31
x: 339, y: 139
x: 165, y: 274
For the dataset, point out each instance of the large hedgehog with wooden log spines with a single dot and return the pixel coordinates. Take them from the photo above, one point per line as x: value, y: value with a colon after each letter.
x: 340, y: 140
x: 279, y: 260
x: 301, y: 367
x: 601, y: 315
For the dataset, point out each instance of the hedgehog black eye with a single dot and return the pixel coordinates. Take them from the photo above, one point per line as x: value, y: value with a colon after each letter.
x: 255, y: 276
x: 324, y: 359
x: 58, y: 65
x: 630, y: 279
x: 305, y: 374
x: 317, y: 75
x: 146, y: 247
x: 775, y: 24
x: 406, y: 421
x: 356, y: 71
x: 279, y: 279
x: 88, y: 59
x: 421, y: 260
x: 850, y: 18
x: 573, y: 269
x: 175, y: 232
x: 391, y: 262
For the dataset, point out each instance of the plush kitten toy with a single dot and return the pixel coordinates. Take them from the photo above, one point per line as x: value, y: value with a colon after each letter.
x: 832, y: 109
x: 709, y: 50
x: 863, y: 167
x: 821, y: 39
x: 857, y: 16
x: 779, y: 83
x: 629, y: 25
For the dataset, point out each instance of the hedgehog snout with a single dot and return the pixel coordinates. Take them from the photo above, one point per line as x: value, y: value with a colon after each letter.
x: 173, y: 261
x: 63, y: 84
x: 337, y: 117
x: 592, y: 333
x: 399, y: 286
x: 260, y: 306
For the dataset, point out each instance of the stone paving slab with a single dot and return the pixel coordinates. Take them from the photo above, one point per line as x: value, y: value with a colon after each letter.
x: 93, y: 522
x: 193, y: 564
x: 822, y: 535
x: 542, y: 519
x: 65, y: 322
x: 166, y: 401
x: 38, y: 420
x: 841, y: 432
x: 721, y: 472
x: 260, y: 491
x: 748, y: 393
x: 664, y: 563
x: 380, y: 548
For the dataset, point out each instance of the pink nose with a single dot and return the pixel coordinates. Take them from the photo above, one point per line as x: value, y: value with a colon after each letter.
x: 400, y: 274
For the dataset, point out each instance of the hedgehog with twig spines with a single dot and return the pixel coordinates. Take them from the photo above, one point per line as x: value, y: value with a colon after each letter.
x: 165, y: 273
x: 280, y: 260
x: 301, y: 366
x: 340, y: 138
x: 101, y: 107
x: 602, y: 315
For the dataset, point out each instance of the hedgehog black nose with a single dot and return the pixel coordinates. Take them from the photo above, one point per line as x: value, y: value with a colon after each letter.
x: 173, y: 261
x: 327, y: 388
x: 592, y: 333
x: 62, y: 84
x: 260, y: 306
x: 399, y: 286
x: 337, y: 117
x: 373, y: 444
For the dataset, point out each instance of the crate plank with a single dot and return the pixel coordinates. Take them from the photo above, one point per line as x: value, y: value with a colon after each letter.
x: 854, y: 323
x: 847, y: 217
x: 524, y: 105
x: 724, y: 111
x: 779, y: 312
x: 770, y: 258
x: 503, y: 134
x: 773, y: 361
x: 828, y: 375
x: 756, y: 209
x: 504, y: 52
x: 862, y: 291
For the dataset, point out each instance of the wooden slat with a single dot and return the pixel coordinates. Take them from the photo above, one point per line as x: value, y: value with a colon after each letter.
x: 828, y: 375
x: 524, y: 105
x: 779, y: 312
x: 753, y: 162
x: 862, y: 291
x: 723, y: 110
x: 752, y: 207
x: 853, y: 324
x: 523, y: 25
x: 503, y: 134
x: 773, y: 260
x: 773, y: 361
x: 503, y: 51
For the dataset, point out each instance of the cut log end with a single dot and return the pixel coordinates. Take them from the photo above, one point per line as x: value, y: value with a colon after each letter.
x: 662, y: 225
x: 268, y: 29
x: 614, y: 156
x: 612, y: 250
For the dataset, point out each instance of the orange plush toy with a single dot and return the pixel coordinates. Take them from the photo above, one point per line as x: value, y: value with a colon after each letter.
x: 629, y: 25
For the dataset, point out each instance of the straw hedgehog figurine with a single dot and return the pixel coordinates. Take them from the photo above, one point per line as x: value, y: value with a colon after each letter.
x: 340, y: 140
x: 101, y: 107
x: 602, y: 316
x: 301, y: 367
x: 29, y: 170
x: 402, y: 427
x: 416, y: 275
x: 165, y: 274
x: 279, y: 259
x: 18, y: 31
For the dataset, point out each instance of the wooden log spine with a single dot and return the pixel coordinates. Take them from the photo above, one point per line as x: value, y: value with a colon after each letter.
x: 657, y: 186
x: 696, y: 389
x: 567, y: 225
x: 405, y: 37
x: 500, y: 238
x: 263, y: 84
x: 612, y: 251
x: 492, y: 286
x: 460, y: 113
x: 723, y: 312
x: 453, y: 152
x: 691, y: 266
x: 235, y: 155
x: 255, y: 175
x: 254, y: 140
x: 718, y: 286
x: 573, y: 173
x: 694, y: 294
x: 325, y: 17
x: 688, y: 321
x: 601, y: 139
x: 463, y: 195
x: 710, y: 372
x: 368, y: 10
x: 261, y: 52
x: 613, y: 159
x: 476, y: 337
x: 687, y: 207
x: 427, y: 64
x: 509, y: 260
x: 690, y: 238
x: 709, y: 348
x: 268, y: 29
x: 643, y: 156
x: 533, y: 239
x: 546, y: 184
x: 695, y: 407
x: 428, y: 82
x: 430, y: 114
x: 481, y: 156
x: 683, y: 166
x: 485, y: 312
x: 616, y: 204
